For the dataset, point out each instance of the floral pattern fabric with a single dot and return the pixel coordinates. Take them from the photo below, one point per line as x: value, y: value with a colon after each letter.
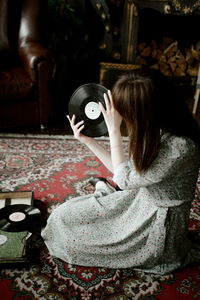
x: 144, y: 226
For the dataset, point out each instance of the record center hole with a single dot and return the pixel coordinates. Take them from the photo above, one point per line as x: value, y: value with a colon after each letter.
x: 17, y: 216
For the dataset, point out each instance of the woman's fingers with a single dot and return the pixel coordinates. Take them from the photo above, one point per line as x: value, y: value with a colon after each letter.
x: 72, y: 120
x: 110, y: 97
x: 107, y: 101
x: 68, y: 118
x: 77, y: 126
x: 74, y: 126
x: 78, y: 130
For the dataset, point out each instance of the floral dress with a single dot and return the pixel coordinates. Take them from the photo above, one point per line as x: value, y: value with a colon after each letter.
x: 144, y: 226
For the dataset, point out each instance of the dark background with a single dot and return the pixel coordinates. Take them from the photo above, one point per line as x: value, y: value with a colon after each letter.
x: 74, y: 33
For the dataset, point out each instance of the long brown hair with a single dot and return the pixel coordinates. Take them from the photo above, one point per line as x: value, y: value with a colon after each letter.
x: 150, y: 106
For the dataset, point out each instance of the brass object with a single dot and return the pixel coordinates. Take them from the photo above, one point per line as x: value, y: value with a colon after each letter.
x: 103, y: 16
x: 186, y: 7
x: 107, y: 28
x: 167, y: 9
x: 103, y: 46
x: 109, y: 72
x: 98, y: 5
x: 116, y: 55
x: 133, y: 12
x: 115, y: 66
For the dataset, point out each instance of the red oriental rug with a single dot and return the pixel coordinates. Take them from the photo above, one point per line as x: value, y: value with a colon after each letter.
x: 57, y: 169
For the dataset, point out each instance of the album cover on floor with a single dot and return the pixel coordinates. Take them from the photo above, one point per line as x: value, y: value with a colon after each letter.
x: 14, y: 241
x: 14, y: 247
x: 12, y: 198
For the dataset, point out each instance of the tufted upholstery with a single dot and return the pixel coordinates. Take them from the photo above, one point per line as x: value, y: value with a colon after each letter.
x: 26, y: 66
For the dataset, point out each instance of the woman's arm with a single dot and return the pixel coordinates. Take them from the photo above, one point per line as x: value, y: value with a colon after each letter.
x: 91, y: 143
x: 101, y: 153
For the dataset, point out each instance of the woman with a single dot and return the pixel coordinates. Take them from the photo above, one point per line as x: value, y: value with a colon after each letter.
x: 145, y: 225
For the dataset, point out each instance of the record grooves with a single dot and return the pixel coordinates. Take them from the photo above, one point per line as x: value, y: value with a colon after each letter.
x: 84, y: 104
x: 19, y: 217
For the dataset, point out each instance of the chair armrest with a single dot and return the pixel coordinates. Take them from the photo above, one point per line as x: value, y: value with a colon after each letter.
x: 33, y: 53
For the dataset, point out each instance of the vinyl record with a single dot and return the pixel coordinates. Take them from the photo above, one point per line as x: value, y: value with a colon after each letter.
x: 84, y: 104
x: 19, y: 217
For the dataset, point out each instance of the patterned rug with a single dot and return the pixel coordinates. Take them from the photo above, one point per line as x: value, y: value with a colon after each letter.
x: 57, y: 169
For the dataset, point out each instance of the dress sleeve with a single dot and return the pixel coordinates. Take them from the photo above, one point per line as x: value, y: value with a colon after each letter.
x: 173, y: 154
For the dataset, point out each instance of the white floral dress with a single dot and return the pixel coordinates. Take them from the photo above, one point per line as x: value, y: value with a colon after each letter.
x: 144, y: 226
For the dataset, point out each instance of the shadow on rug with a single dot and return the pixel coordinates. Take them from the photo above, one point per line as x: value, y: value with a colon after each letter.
x: 57, y: 170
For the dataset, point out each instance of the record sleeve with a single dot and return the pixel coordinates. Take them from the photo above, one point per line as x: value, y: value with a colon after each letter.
x: 19, y: 197
x: 14, y: 247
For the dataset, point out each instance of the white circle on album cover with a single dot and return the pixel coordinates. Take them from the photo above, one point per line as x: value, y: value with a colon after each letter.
x: 3, y: 239
x: 17, y: 216
x: 92, y: 110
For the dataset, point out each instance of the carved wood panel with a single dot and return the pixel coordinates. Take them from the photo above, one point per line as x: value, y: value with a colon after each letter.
x: 120, y: 19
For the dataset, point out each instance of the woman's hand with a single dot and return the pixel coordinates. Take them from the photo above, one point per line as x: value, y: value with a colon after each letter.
x: 91, y: 143
x: 77, y: 128
x: 112, y: 118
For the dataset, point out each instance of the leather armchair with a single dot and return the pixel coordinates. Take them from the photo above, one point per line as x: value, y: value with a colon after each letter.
x: 26, y: 66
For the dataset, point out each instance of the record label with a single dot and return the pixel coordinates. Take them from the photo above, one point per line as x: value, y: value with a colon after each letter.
x: 92, y: 110
x: 17, y: 216
x: 3, y: 239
